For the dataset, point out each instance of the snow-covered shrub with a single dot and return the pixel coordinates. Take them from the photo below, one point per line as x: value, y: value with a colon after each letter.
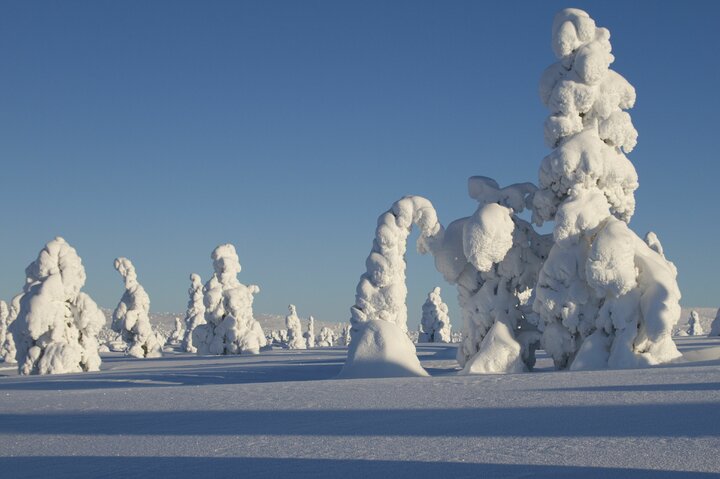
x: 607, y: 298
x: 310, y: 333
x: 327, y: 338
x: 694, y: 326
x: 296, y: 339
x: 230, y: 326
x: 381, y: 293
x: 715, y: 326
x: 131, y: 316
x: 195, y: 313
x: 56, y: 324
x: 435, y: 322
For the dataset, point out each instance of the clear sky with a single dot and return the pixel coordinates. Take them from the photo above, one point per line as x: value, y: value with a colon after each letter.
x: 157, y: 130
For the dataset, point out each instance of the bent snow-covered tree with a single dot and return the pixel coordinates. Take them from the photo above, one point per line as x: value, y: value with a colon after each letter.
x: 296, y: 340
x: 380, y: 346
x: 230, y: 326
x: 56, y: 327
x: 435, y: 322
x: 606, y: 297
x: 694, y: 326
x: 195, y: 313
x: 131, y: 317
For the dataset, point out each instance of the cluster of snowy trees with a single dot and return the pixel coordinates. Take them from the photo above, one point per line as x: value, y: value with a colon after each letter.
x: 294, y: 338
x: 592, y: 293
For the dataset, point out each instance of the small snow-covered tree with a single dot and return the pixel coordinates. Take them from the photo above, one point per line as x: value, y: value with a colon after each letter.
x: 7, y: 347
x: 435, y: 322
x: 230, y: 326
x: 715, y: 326
x: 56, y: 326
x: 607, y: 298
x: 195, y: 313
x: 4, y: 313
x: 310, y: 333
x: 296, y: 339
x: 694, y: 326
x: 345, y: 336
x: 177, y: 334
x: 327, y: 338
x: 131, y: 317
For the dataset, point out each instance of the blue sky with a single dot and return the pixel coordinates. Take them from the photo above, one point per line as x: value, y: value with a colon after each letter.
x: 157, y: 130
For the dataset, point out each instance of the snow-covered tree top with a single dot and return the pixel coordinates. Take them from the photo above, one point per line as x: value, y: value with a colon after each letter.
x: 226, y: 263
x: 127, y: 270
x: 486, y: 190
x: 58, y: 258
x: 196, y: 282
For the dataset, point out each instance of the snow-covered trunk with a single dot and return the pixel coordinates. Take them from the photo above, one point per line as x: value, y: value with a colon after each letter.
x: 131, y: 317
x: 435, y: 322
x: 296, y: 339
x: 607, y: 298
x: 380, y: 346
x: 230, y: 326
x: 195, y: 313
x: 56, y: 327
x: 310, y: 333
x: 694, y: 326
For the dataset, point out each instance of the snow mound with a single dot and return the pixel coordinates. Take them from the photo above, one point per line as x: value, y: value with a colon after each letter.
x: 499, y: 353
x: 380, y: 349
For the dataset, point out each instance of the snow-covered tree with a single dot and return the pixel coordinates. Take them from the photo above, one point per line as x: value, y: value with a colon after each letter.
x: 7, y: 347
x: 310, y: 333
x: 4, y: 313
x: 435, y: 322
x: 694, y: 326
x: 296, y: 339
x: 131, y: 317
x: 715, y: 325
x: 177, y: 334
x: 606, y: 297
x: 230, y: 326
x: 195, y: 313
x: 327, y: 338
x: 380, y: 345
x: 56, y: 326
x: 345, y: 336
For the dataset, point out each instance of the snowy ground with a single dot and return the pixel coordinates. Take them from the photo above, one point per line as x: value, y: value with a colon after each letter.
x: 282, y: 414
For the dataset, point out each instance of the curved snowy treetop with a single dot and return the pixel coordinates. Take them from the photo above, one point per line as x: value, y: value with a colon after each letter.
x: 58, y: 258
x: 127, y: 270
x: 586, y: 100
x: 226, y: 263
x: 381, y: 292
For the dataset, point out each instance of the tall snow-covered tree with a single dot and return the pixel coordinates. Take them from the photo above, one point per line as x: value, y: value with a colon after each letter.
x: 435, y: 322
x: 4, y: 314
x: 56, y: 327
x: 230, y: 326
x: 296, y: 339
x: 195, y: 313
x: 326, y: 338
x: 715, y: 325
x: 345, y: 335
x: 310, y: 333
x: 694, y: 326
x: 131, y: 317
x: 606, y: 297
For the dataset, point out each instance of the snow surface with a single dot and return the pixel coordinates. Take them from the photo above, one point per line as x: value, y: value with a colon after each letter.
x: 187, y: 416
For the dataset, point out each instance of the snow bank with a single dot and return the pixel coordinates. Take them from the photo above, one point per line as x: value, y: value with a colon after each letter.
x: 380, y: 349
x: 296, y: 340
x: 195, y: 313
x: 56, y: 327
x: 381, y: 292
x: 230, y: 326
x: 131, y: 317
x: 435, y: 322
x: 607, y: 299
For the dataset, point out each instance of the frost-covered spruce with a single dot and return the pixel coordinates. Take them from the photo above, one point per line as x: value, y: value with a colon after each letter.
x: 326, y: 338
x: 296, y: 339
x: 694, y: 326
x: 607, y: 298
x: 715, y: 325
x: 56, y: 324
x: 435, y: 322
x: 230, y: 326
x: 4, y: 313
x: 310, y: 333
x: 177, y: 334
x: 195, y: 313
x: 493, y: 257
x: 345, y: 336
x: 131, y: 317
x: 380, y: 345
